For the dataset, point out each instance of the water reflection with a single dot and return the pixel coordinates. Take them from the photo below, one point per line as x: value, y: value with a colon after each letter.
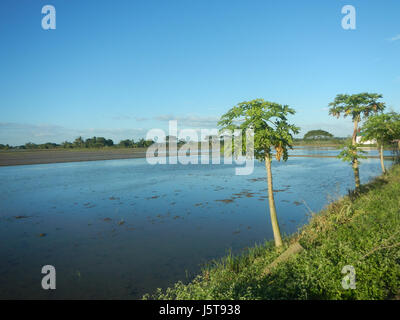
x: 121, y: 228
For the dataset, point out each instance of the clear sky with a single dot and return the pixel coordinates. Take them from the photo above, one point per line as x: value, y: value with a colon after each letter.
x: 118, y: 68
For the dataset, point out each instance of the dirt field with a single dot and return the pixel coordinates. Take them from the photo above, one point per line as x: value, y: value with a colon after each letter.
x: 23, y: 157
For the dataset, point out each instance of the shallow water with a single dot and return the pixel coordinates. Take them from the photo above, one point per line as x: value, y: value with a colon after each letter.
x: 121, y: 228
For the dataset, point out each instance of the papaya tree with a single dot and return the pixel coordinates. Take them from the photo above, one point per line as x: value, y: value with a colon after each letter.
x: 359, y: 107
x: 271, y: 129
x: 384, y: 128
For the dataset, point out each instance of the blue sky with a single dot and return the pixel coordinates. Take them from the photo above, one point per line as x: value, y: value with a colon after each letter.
x: 119, y: 68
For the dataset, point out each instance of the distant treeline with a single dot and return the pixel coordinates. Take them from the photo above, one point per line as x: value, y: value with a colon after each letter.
x: 79, y: 143
x: 97, y: 142
x: 101, y: 142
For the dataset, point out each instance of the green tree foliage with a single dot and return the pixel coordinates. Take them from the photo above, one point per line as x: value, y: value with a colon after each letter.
x: 79, y: 143
x: 358, y: 107
x: 4, y: 147
x: 384, y: 128
x: 126, y: 143
x: 269, y: 122
x: 98, y: 142
x: 351, y: 152
x: 271, y: 131
x: 317, y: 135
x: 94, y: 142
x: 67, y: 145
x: 142, y: 143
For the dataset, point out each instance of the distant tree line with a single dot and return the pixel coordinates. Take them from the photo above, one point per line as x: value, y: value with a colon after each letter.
x: 318, y: 135
x: 79, y: 143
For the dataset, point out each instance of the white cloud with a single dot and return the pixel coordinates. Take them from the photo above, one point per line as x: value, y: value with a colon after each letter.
x: 127, y: 117
x: 395, y: 38
x: 191, y: 121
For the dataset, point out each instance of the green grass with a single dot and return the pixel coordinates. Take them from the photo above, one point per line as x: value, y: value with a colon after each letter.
x: 362, y: 230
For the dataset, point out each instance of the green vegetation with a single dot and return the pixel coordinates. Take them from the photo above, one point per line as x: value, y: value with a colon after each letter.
x: 271, y: 130
x: 361, y: 230
x: 384, y: 128
x: 358, y: 106
x: 318, y: 135
x: 80, y: 143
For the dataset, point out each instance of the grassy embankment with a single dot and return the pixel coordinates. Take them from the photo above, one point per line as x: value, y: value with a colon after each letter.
x: 362, y: 230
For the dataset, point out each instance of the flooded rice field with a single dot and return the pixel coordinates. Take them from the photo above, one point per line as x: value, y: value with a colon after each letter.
x: 122, y: 228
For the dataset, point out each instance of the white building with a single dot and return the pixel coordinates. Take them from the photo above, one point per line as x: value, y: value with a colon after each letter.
x: 359, y: 137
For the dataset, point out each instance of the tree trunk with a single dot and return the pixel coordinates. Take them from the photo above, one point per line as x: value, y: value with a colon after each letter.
x: 272, y: 210
x: 355, y: 162
x: 381, y: 156
x: 354, y: 138
x: 356, y: 173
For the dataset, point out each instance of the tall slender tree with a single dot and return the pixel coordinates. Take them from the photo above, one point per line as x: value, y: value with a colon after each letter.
x: 359, y: 107
x: 271, y: 131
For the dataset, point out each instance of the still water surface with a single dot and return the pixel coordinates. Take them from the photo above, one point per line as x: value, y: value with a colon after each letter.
x: 122, y: 228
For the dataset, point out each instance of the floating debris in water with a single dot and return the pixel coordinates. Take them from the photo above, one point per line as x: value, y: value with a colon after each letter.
x: 257, y: 179
x: 120, y: 223
x: 21, y: 217
x: 113, y: 198
x: 225, y: 200
x: 107, y: 219
x: 280, y: 190
x: 42, y: 234
x: 297, y: 203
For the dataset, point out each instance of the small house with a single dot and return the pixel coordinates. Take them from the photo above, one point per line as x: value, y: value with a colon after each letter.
x: 360, y: 135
